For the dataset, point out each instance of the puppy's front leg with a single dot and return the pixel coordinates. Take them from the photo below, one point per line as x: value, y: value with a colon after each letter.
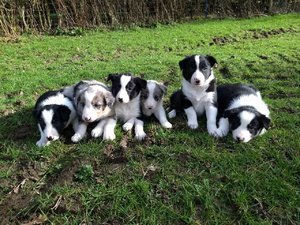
x: 80, y: 132
x: 98, y: 130
x: 160, y: 114
x: 109, y: 129
x: 192, y: 117
x: 139, y: 130
x: 211, y: 116
x: 223, y: 129
x: 129, y: 124
x: 43, y: 140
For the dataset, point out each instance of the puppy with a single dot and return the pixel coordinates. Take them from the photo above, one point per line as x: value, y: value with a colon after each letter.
x: 152, y: 102
x: 198, y: 91
x: 53, y: 112
x: 127, y: 90
x: 94, y: 102
x: 242, y: 110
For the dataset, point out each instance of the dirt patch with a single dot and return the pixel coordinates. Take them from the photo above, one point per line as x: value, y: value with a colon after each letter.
x: 12, y: 205
x: 22, y: 132
x: 250, y: 34
x: 115, y: 155
x: 225, y: 72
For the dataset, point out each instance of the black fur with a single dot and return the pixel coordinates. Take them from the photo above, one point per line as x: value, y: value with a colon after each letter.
x: 188, y: 66
x: 133, y: 88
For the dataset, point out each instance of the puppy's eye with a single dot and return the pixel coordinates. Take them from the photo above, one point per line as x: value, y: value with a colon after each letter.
x: 129, y: 87
x: 156, y: 98
x: 98, y: 105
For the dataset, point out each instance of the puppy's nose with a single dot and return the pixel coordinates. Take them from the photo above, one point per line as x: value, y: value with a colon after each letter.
x: 50, y: 138
x: 150, y: 107
x: 120, y: 99
x: 87, y: 118
x: 239, y: 139
x: 197, y: 81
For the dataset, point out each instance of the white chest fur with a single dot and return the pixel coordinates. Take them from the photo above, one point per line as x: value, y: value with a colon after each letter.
x: 126, y: 111
x: 198, y: 95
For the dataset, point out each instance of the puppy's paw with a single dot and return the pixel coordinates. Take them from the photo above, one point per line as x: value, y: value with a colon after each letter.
x: 140, y: 135
x: 167, y: 125
x: 76, y: 137
x: 42, y: 143
x: 193, y: 125
x: 172, y: 113
x: 109, y: 136
x: 96, y: 132
x: 217, y: 133
x: 127, y: 126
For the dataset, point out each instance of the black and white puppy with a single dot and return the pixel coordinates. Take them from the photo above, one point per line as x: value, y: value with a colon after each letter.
x: 242, y: 110
x: 94, y: 102
x: 152, y: 102
x: 53, y: 112
x: 127, y: 90
x: 198, y: 91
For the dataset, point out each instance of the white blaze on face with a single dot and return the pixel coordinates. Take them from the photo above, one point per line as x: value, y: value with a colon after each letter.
x: 88, y: 112
x: 242, y: 133
x: 49, y: 131
x: 122, y: 95
x: 150, y: 103
x: 197, y: 78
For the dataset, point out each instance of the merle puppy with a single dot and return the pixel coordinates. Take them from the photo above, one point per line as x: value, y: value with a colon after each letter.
x: 152, y: 102
x: 94, y: 102
x: 241, y: 110
x: 127, y: 89
x: 198, y: 92
x: 53, y: 112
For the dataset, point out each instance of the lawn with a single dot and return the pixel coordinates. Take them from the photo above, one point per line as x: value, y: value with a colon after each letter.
x: 177, y: 176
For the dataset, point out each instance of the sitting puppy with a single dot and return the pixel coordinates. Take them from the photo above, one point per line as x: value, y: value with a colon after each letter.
x: 53, y: 112
x: 94, y: 102
x: 152, y: 102
x: 127, y: 89
x: 197, y: 93
x: 242, y: 110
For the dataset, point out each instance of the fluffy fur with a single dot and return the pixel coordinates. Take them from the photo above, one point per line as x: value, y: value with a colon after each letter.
x: 198, y: 91
x: 241, y: 110
x: 94, y: 102
x: 127, y: 89
x: 53, y: 112
x: 152, y: 102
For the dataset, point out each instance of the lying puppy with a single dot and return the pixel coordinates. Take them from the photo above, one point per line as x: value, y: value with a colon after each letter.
x: 152, y: 102
x: 127, y: 89
x: 53, y: 112
x: 94, y: 102
x: 242, y: 110
x: 197, y: 93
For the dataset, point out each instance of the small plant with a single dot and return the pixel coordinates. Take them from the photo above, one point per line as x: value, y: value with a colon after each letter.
x: 85, y: 174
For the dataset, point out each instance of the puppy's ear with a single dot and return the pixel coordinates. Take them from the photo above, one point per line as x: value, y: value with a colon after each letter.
x: 64, y: 112
x: 230, y: 113
x: 163, y: 87
x: 183, y: 63
x: 141, y: 82
x: 109, y: 98
x: 212, y: 61
x: 36, y: 113
x: 265, y: 121
x: 111, y: 77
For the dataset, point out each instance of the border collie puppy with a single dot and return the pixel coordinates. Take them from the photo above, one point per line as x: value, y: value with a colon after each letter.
x: 152, y: 102
x: 241, y: 110
x: 53, y: 112
x: 127, y: 90
x: 198, y: 91
x: 94, y: 102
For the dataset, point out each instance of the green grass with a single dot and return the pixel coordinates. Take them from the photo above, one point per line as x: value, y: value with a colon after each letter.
x: 177, y: 176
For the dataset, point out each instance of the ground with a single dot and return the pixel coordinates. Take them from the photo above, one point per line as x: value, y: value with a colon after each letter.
x: 177, y: 176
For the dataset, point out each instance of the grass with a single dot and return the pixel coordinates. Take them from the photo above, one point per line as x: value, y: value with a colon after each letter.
x: 176, y: 176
